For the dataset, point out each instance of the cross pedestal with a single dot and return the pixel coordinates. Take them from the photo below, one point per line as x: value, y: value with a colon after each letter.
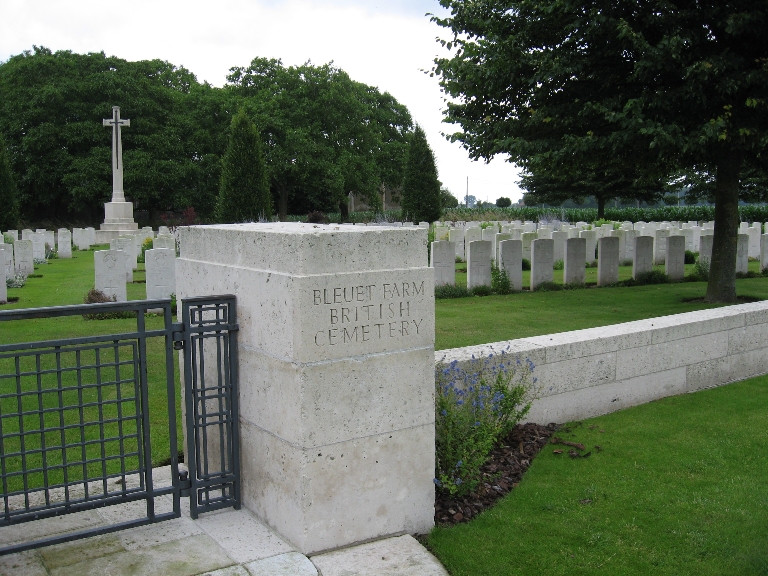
x: 118, y: 214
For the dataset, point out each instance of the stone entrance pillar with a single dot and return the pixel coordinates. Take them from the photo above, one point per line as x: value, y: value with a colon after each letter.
x: 336, y: 349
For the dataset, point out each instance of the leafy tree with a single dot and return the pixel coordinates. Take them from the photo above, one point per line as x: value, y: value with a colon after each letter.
x: 447, y: 200
x: 503, y: 202
x: 244, y: 194
x: 9, y: 214
x: 665, y: 85
x: 421, y: 188
x: 326, y: 135
x: 51, y: 107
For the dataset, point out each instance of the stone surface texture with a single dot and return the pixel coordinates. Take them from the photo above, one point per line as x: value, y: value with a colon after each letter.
x: 574, y: 258
x: 674, y: 265
x: 479, y: 263
x: 586, y: 373
x: 607, y: 260
x: 109, y: 269
x: 443, y: 261
x: 542, y: 261
x: 23, y: 251
x: 336, y: 349
x: 160, y: 264
x: 400, y: 556
x: 511, y: 261
x: 643, y: 260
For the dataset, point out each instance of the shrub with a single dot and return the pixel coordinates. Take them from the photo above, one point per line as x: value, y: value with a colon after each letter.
x: 626, y: 262
x: 317, y: 217
x: 646, y: 278
x: 459, y: 259
x: 95, y: 296
x: 50, y: 252
x: 7, y: 238
x: 548, y: 287
x: 474, y: 408
x: 690, y: 257
x: 701, y: 270
x: 146, y: 245
x: 16, y: 281
x: 558, y: 265
x: 447, y: 291
x: 481, y: 290
x: 503, y: 202
x: 526, y: 264
x: 500, y: 283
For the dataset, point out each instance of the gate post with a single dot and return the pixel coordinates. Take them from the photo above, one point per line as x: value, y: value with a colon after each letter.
x: 336, y: 364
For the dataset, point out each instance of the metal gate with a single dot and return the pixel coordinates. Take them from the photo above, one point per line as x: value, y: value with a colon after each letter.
x: 75, y: 429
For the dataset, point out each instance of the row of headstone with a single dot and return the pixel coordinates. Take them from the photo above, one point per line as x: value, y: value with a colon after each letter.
x: 114, y: 267
x: 644, y: 250
x: 462, y: 233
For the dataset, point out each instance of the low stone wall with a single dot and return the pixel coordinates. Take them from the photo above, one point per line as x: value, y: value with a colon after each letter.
x: 600, y: 370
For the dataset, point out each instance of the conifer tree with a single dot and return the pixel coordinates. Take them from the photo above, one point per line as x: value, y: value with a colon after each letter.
x: 244, y: 194
x: 421, y: 189
x: 9, y: 211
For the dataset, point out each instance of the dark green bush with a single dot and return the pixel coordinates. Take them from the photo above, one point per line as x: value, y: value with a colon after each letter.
x: 451, y: 291
x: 482, y: 291
x: 690, y: 257
x: 526, y: 264
x: 500, y: 283
x: 548, y: 287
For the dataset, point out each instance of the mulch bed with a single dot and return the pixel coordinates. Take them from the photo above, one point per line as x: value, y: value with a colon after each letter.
x: 508, y: 461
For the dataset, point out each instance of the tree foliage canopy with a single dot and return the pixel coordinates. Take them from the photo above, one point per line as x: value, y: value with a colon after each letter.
x: 324, y: 135
x: 9, y: 213
x: 421, y: 199
x: 591, y: 88
x: 244, y: 195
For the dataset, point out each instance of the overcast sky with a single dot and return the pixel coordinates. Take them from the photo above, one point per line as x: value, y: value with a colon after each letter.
x: 384, y: 43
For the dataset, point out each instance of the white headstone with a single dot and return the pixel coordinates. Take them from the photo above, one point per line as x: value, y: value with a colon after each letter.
x: 754, y: 234
x: 164, y: 241
x: 629, y: 245
x: 497, y: 238
x: 674, y: 262
x: 559, y: 239
x: 443, y: 261
x: 26, y: 234
x: 90, y: 236
x: 160, y: 264
x: 742, y: 254
x: 695, y: 238
x: 705, y: 248
x: 527, y: 238
x: 479, y: 264
x: 607, y: 261
x: 472, y: 234
x: 591, y: 237
x: 573, y: 261
x: 441, y: 233
x: 763, y: 252
x: 542, y: 253
x: 124, y: 244
x: 643, y: 260
x: 24, y: 253
x: 456, y: 235
x: 109, y: 267
x: 5, y: 257
x: 64, y: 248
x: 10, y: 267
x: 489, y: 234
x: 511, y: 261
x: 659, y: 246
x: 38, y: 245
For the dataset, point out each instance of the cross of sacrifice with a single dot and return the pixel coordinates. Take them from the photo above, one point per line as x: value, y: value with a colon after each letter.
x: 117, y: 153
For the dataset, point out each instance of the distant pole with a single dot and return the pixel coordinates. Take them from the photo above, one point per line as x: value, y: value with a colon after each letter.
x: 466, y: 196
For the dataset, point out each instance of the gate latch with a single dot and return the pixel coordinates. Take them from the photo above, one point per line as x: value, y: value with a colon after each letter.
x: 177, y: 331
x: 184, y: 483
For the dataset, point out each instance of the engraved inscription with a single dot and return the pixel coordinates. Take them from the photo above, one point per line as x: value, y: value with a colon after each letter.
x: 368, y: 312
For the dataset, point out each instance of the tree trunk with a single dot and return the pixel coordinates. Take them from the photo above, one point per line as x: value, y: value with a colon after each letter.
x: 600, y: 207
x: 282, y: 202
x: 344, y: 209
x: 722, y: 268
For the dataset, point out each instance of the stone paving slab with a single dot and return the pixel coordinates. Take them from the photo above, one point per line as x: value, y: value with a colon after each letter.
x: 222, y: 543
x: 399, y: 556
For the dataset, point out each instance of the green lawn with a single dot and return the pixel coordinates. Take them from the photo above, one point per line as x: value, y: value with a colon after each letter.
x: 479, y: 320
x: 66, y: 282
x: 678, y: 488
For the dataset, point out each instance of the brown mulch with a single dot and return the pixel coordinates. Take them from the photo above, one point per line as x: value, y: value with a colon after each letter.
x: 506, y: 465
